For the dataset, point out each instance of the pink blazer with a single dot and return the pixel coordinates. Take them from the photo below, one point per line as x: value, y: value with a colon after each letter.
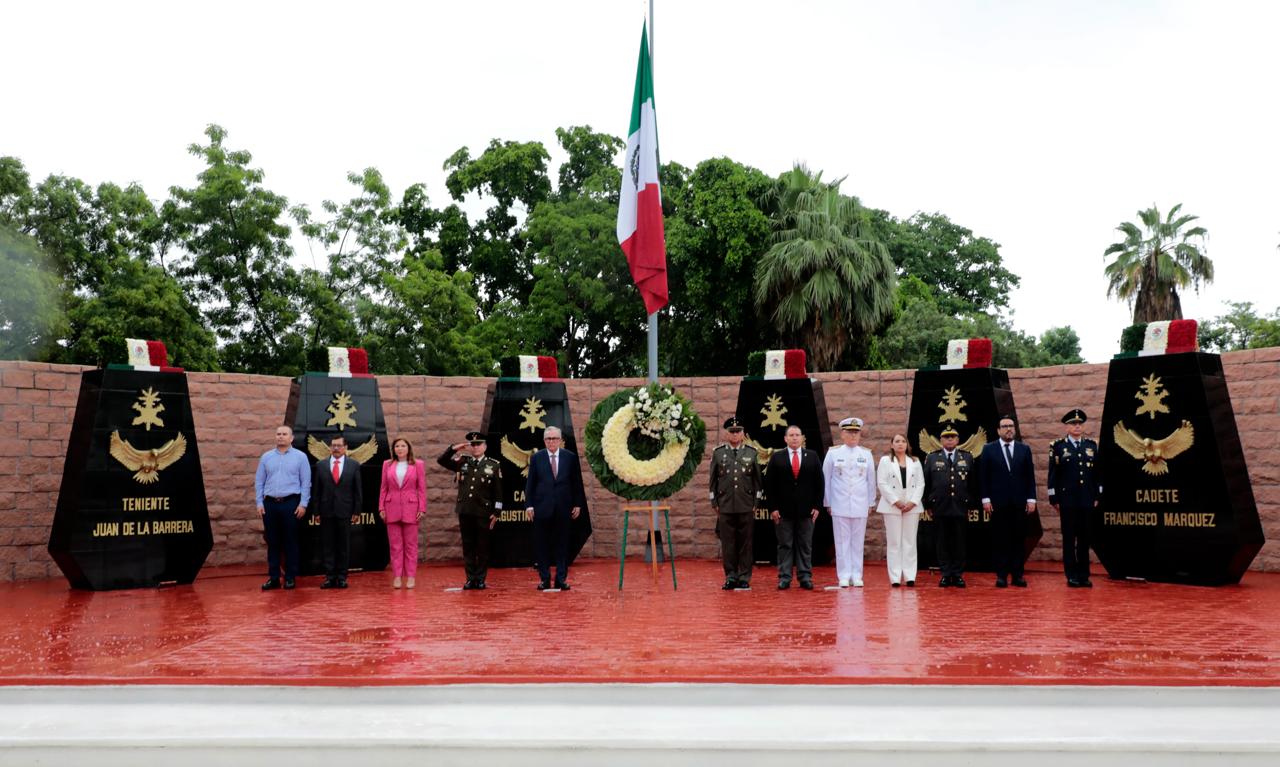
x: 402, y: 503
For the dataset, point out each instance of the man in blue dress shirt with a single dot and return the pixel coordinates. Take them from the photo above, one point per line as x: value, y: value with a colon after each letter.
x: 282, y: 487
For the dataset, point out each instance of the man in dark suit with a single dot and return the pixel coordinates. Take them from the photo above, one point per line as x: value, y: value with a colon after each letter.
x: 553, y: 492
x: 1074, y: 489
x: 1007, y: 481
x: 794, y: 488
x: 336, y: 495
x: 948, y: 478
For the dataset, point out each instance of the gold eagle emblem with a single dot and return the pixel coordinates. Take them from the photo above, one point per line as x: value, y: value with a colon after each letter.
x: 147, y: 463
x: 1155, y: 452
x: 362, y: 455
x: 972, y: 445
x: 517, y: 455
x: 762, y: 453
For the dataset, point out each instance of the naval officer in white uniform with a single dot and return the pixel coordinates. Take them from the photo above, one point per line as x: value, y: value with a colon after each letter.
x: 850, y: 474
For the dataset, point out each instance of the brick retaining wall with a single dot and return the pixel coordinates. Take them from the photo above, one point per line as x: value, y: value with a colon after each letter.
x: 236, y: 414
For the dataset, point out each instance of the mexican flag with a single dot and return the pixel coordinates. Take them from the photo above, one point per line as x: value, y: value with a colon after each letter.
x: 640, y: 200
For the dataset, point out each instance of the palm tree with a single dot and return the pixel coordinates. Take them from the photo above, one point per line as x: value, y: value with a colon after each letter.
x: 1156, y: 259
x: 824, y: 279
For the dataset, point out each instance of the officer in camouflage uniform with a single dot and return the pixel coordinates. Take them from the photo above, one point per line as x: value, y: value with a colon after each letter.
x: 948, y: 495
x: 479, y: 480
x: 1074, y: 489
x: 735, y: 486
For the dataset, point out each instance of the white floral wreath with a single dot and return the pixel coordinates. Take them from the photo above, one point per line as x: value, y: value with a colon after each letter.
x: 654, y: 471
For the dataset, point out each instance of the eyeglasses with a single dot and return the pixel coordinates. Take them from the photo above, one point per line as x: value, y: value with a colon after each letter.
x: 552, y: 439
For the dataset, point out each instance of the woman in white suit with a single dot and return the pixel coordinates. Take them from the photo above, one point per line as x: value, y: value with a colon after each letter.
x: 901, y: 481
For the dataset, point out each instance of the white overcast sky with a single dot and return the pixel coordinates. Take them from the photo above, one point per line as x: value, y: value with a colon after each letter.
x: 1041, y: 125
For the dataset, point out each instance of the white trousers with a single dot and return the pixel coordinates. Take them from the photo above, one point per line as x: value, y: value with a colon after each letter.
x: 849, y: 534
x: 900, y: 545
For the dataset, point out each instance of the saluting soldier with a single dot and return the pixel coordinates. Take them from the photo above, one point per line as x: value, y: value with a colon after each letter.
x: 948, y: 496
x: 735, y: 487
x: 1074, y: 490
x: 479, y: 480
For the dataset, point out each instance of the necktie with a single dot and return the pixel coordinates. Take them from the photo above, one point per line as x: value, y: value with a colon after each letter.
x: 795, y: 464
x: 554, y: 473
x: 949, y: 460
x: 1008, y: 454
x: 337, y: 471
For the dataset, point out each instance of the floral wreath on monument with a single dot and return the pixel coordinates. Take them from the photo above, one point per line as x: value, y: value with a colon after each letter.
x: 644, y: 444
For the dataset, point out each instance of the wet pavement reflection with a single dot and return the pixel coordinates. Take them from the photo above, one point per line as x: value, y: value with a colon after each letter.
x: 223, y: 630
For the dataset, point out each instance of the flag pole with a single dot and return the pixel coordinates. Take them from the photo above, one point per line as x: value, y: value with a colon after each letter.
x: 653, y: 318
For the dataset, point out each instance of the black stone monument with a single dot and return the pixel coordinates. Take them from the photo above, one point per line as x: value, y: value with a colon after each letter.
x: 1177, y: 503
x: 321, y: 407
x: 131, y: 510
x: 973, y: 400
x: 766, y: 406
x: 516, y: 413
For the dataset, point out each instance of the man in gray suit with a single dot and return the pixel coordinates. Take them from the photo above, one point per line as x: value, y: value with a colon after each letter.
x: 336, y: 495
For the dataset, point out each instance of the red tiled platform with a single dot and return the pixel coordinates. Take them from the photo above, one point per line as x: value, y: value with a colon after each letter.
x: 223, y: 630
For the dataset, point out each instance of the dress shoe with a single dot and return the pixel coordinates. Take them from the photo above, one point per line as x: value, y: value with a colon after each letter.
x: 1086, y: 584
x: 272, y: 583
x: 408, y: 583
x: 806, y: 585
x: 395, y: 582
x: 729, y: 585
x: 894, y: 584
x: 289, y: 584
x: 480, y: 586
x: 1020, y: 582
x: 562, y: 586
x: 1072, y: 583
x: 857, y: 584
x: 945, y: 582
x: 911, y: 584
x: 1001, y: 583
x: 742, y: 586
x: 341, y: 584
x: 544, y: 586
x: 329, y: 583
x: 958, y: 582
x: 844, y: 583
x: 468, y: 586
x: 784, y: 585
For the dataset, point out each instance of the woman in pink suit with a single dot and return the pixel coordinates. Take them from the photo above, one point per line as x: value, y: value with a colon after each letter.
x: 401, y: 504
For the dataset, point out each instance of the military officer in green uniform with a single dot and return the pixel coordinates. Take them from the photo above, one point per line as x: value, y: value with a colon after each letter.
x: 1074, y: 490
x: 479, y: 480
x: 735, y: 487
x: 948, y: 495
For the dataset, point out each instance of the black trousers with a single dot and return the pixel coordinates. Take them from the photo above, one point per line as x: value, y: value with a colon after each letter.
x: 795, y: 547
x: 1008, y: 538
x: 1075, y: 541
x: 335, y: 545
x: 281, y: 529
x: 949, y: 539
x: 475, y: 545
x: 551, y: 544
x: 736, y: 532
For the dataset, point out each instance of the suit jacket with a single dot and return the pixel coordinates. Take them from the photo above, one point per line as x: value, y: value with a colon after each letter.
x: 550, y: 495
x: 889, y: 480
x: 403, y: 503
x: 336, y: 500
x: 948, y: 488
x: 1075, y: 479
x: 1006, y: 484
x: 792, y: 496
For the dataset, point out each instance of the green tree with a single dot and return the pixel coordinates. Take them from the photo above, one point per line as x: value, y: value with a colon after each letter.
x: 1154, y: 260
x: 967, y: 270
x: 1061, y: 346
x: 235, y: 246
x: 1241, y: 327
x: 824, y: 281
x: 509, y: 173
x: 30, y: 310
x: 716, y: 234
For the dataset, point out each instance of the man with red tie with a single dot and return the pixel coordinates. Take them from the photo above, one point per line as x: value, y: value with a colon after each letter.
x: 336, y: 495
x: 794, y: 489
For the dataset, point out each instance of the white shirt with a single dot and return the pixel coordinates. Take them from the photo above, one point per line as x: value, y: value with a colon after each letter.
x: 337, y: 461
x: 850, y: 480
x: 402, y: 468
